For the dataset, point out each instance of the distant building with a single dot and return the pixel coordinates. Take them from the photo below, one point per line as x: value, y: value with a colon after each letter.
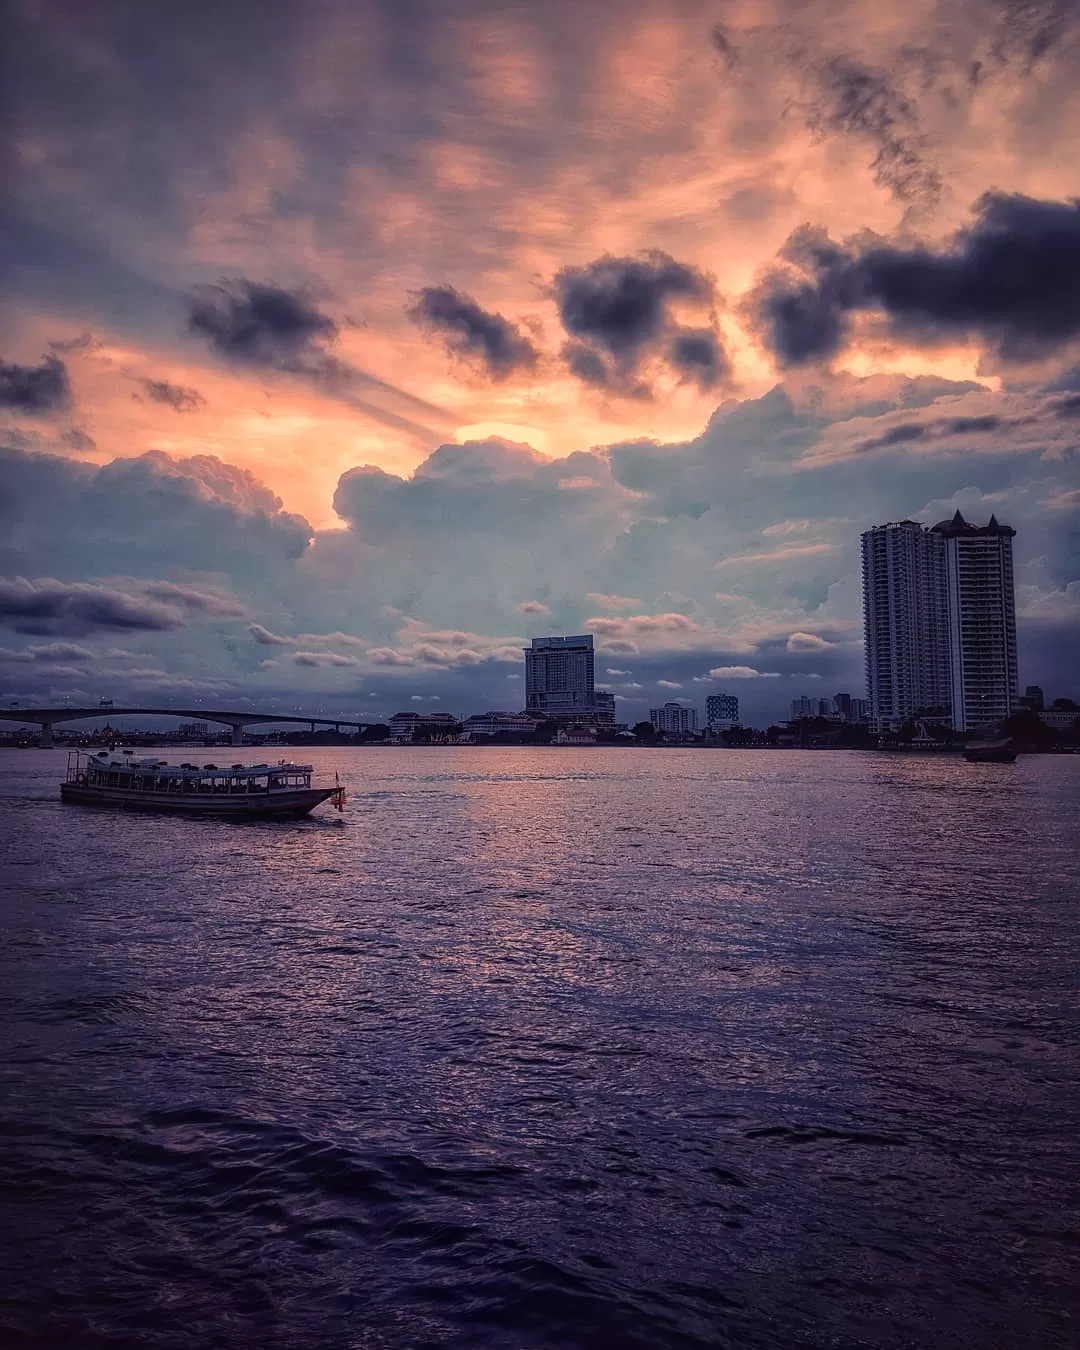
x: 576, y: 735
x: 848, y: 709
x: 810, y: 707
x: 433, y: 728
x: 1034, y: 697
x: 482, y: 725
x: 674, y: 719
x: 940, y: 622
x: 905, y: 615
x: 982, y: 621
x: 1060, y: 719
x: 560, y: 681
x: 721, y: 711
x: 192, y: 731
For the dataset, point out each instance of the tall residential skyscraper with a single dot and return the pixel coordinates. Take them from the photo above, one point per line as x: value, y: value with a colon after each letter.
x: 905, y: 614
x: 982, y: 621
x: 721, y: 711
x: 940, y: 622
x: 559, y: 677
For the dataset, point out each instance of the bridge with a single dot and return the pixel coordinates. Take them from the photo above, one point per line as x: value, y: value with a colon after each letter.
x: 47, y: 718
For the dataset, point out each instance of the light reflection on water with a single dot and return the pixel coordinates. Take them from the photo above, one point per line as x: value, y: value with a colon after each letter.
x: 548, y: 1048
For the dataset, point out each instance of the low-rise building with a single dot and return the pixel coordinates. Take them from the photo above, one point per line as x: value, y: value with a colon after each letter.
x: 484, y: 725
x: 674, y: 719
x: 432, y: 728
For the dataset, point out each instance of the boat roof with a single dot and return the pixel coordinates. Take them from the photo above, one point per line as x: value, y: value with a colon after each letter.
x: 164, y: 769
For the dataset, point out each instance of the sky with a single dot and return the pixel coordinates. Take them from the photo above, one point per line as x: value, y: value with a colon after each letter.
x: 346, y: 345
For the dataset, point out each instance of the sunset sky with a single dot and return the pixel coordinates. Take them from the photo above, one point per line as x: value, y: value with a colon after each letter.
x: 347, y: 344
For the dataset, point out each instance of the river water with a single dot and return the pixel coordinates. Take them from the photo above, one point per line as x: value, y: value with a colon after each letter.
x: 548, y: 1048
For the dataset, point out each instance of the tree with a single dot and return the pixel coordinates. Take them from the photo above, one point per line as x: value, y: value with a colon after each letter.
x: 1066, y: 704
x: 645, y: 731
x: 1028, y: 728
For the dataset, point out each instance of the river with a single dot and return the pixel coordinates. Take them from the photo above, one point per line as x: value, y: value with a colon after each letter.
x: 546, y: 1049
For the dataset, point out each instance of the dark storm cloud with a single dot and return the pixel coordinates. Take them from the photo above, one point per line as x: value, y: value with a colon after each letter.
x: 256, y: 324
x: 617, y: 310
x: 177, y: 396
x: 50, y: 606
x: 937, y: 430
x: 697, y: 354
x: 1010, y: 280
x: 470, y: 331
x: 37, y: 390
x: 586, y: 364
x: 266, y: 327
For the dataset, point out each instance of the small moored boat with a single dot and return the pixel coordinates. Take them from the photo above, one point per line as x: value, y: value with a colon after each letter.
x: 281, y: 791
x: 990, y: 752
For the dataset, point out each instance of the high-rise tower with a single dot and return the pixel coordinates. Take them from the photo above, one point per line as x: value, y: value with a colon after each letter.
x: 940, y: 622
x: 560, y: 676
x: 982, y: 621
x: 905, y: 615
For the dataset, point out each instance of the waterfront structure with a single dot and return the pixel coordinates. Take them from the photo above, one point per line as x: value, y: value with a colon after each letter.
x: 721, y: 711
x: 432, y: 728
x: 484, y: 725
x: 674, y: 719
x: 560, y: 681
x: 940, y: 623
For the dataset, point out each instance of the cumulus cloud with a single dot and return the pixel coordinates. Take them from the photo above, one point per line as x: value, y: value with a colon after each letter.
x: 533, y: 607
x: 618, y: 311
x: 35, y: 390
x: 47, y: 653
x: 179, y: 397
x: 324, y: 659
x: 190, y: 598
x: 741, y: 673
x: 265, y: 638
x: 808, y: 642
x: 390, y: 656
x: 1010, y: 280
x: 475, y: 334
x: 144, y: 515
x: 669, y: 684
x: 612, y: 601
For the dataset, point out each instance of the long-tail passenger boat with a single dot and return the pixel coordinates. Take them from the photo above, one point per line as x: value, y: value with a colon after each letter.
x: 281, y: 791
